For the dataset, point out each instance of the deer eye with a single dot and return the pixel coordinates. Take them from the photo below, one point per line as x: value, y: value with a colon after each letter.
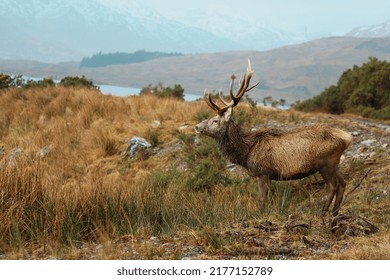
x: 214, y: 122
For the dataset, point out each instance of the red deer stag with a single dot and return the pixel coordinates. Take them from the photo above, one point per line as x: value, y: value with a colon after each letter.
x: 278, y: 154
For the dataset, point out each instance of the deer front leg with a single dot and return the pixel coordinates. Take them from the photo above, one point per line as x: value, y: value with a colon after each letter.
x: 264, y: 186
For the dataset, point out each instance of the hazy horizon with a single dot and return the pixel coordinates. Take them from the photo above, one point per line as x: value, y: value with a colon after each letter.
x: 330, y: 18
x: 68, y: 30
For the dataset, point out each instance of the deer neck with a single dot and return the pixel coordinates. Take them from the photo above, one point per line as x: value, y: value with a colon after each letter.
x: 234, y: 144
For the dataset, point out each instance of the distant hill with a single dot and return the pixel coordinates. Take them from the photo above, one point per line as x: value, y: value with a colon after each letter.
x: 293, y: 73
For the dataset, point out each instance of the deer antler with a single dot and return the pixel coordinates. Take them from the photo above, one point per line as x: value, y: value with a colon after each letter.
x: 243, y: 86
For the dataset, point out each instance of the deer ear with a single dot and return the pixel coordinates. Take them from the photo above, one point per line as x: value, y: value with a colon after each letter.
x: 228, y: 114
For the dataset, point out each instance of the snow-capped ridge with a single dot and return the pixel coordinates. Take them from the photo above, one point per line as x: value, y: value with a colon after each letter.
x: 374, y: 31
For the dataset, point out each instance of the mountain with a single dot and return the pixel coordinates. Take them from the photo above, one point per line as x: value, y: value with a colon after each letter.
x: 371, y: 31
x: 250, y: 33
x: 64, y: 30
x: 293, y: 72
x: 57, y: 30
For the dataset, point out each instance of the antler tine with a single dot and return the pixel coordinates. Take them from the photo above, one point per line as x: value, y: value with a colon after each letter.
x: 243, y: 86
x: 232, y: 78
x: 221, y: 98
x: 209, y: 101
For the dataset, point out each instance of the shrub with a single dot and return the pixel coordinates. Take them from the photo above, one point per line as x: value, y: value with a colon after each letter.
x: 207, y: 167
x: 75, y: 81
x: 161, y: 91
x: 5, y: 81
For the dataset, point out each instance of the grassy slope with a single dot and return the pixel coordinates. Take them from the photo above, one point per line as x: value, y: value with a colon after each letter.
x: 86, y: 199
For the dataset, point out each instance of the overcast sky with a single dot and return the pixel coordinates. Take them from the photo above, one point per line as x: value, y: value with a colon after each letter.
x: 332, y: 17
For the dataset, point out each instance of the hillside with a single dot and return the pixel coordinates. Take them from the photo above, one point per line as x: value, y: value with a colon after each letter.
x: 294, y: 72
x: 57, y: 30
x: 70, y: 190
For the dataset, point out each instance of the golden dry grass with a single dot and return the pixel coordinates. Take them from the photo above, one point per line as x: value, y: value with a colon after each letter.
x: 86, y: 200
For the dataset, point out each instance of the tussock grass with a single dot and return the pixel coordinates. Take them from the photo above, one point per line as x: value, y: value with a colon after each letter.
x: 83, y: 189
x: 84, y: 198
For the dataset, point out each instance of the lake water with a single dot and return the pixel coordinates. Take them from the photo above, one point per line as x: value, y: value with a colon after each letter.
x: 127, y: 91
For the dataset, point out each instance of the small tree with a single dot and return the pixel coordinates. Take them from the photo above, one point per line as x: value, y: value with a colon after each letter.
x: 267, y: 100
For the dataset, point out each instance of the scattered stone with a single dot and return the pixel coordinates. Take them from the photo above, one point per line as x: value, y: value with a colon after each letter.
x: 155, y: 240
x: 44, y: 151
x: 197, y: 250
x: 385, y: 145
x: 135, y: 144
x: 10, y: 161
x: 184, y: 126
x: 368, y: 142
x: 355, y: 133
x: 156, y: 124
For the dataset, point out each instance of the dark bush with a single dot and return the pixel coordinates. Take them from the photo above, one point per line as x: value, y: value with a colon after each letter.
x: 75, y: 81
x: 363, y: 90
x: 161, y: 91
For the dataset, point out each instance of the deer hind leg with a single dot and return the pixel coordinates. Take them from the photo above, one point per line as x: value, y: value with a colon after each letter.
x: 339, y: 193
x: 332, y: 182
x: 264, y: 185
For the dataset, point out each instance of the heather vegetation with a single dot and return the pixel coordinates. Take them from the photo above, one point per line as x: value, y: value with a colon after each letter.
x: 362, y: 90
x: 69, y: 189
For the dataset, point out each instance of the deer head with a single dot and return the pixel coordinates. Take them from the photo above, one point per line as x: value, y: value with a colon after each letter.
x: 217, y: 125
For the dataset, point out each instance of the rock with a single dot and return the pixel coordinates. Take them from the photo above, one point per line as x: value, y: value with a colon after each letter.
x: 368, y: 142
x: 156, y: 124
x: 44, y: 151
x: 136, y: 143
x: 355, y: 133
x: 361, y: 149
x: 10, y: 161
x: 372, y: 155
x: 385, y: 145
x: 184, y: 126
x: 155, y: 240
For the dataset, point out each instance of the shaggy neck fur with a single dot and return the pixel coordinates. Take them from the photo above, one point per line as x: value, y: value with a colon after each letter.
x: 235, y: 144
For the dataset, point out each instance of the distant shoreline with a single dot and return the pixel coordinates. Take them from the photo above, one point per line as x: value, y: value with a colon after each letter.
x: 121, y: 91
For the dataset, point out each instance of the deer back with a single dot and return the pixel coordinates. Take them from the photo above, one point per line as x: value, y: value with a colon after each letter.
x: 295, y: 153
